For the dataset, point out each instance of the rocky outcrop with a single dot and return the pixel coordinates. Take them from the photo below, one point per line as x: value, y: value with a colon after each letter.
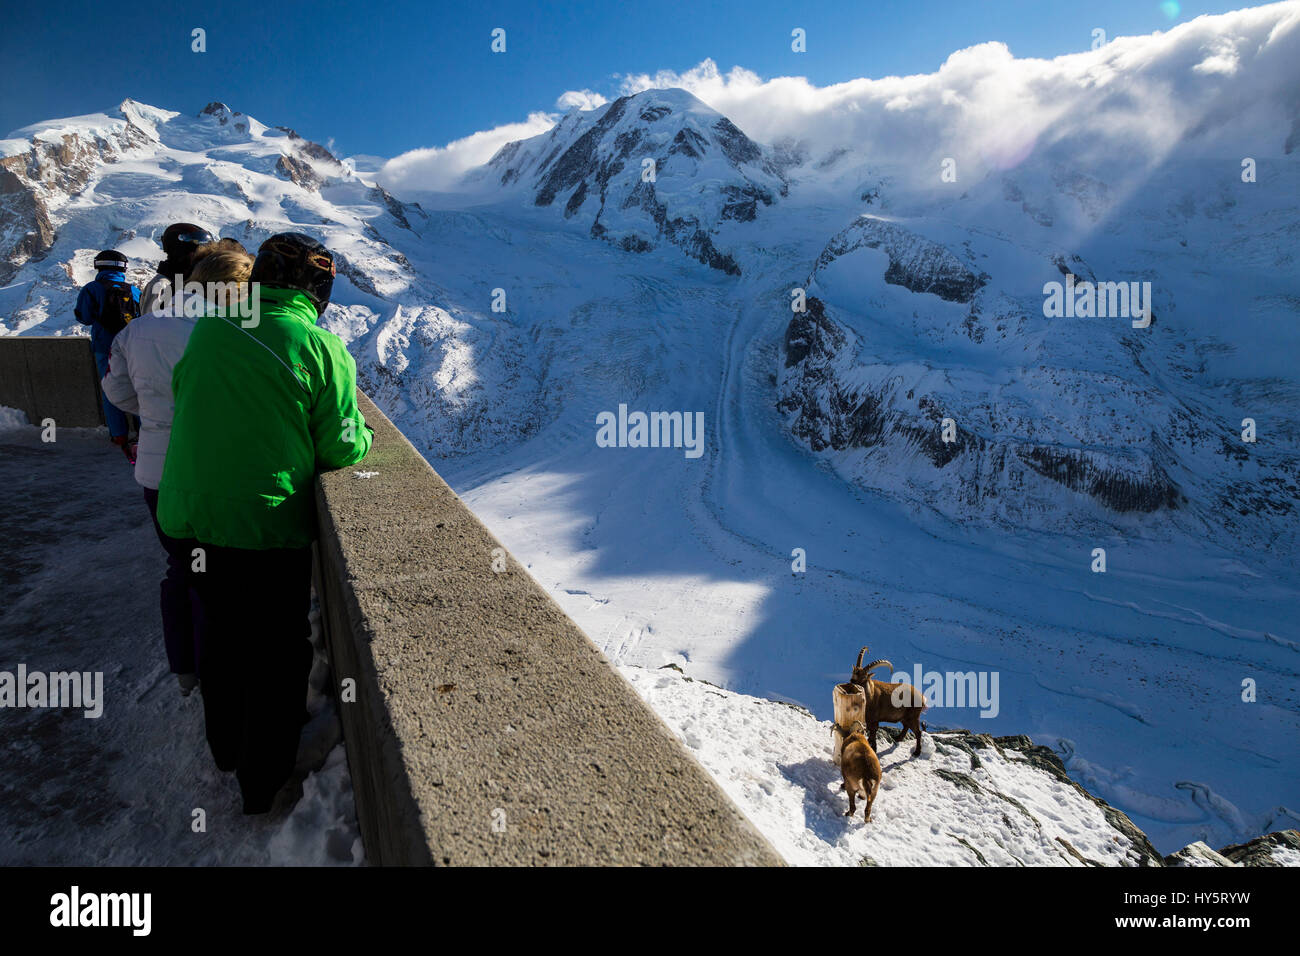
x: 915, y: 262
x: 225, y: 116
x: 1046, y: 760
x: 400, y: 211
x: 295, y: 170
x: 1197, y: 854
x: 683, y: 231
x: 1280, y: 848
x: 308, y: 164
x: 969, y: 799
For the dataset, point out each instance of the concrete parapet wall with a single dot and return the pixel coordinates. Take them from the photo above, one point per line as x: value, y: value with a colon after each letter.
x: 50, y: 376
x: 487, y: 729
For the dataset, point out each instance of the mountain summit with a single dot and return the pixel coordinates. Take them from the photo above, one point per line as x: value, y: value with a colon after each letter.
x: 656, y: 166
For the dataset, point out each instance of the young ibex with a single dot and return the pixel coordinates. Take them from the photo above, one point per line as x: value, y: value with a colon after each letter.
x: 861, y: 770
x: 889, y: 702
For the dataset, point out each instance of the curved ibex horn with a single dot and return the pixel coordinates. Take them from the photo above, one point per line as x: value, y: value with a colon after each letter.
x: 880, y: 663
x: 860, y: 653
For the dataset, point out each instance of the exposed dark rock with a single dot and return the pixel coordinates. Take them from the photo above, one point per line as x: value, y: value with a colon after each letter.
x: 738, y: 147
x: 396, y: 208
x: 1197, y: 854
x: 298, y: 171
x: 577, y: 162
x: 915, y: 263
x: 687, y: 142
x: 1259, y: 851
x: 742, y: 202
x: 627, y: 133
x: 682, y: 231
x: 1119, y: 491
x: 809, y: 330
x: 576, y: 200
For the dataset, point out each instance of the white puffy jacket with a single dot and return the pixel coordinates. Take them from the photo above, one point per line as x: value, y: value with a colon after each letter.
x: 139, y: 381
x: 156, y: 292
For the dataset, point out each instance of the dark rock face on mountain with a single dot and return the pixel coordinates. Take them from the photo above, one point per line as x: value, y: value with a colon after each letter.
x: 684, y: 231
x: 29, y: 232
x: 810, y: 332
x: 400, y: 211
x: 308, y: 164
x: 309, y: 149
x: 915, y: 263
x: 659, y: 166
x: 826, y: 412
x: 1280, y: 848
x: 1120, y: 492
x: 225, y: 116
x: 295, y: 170
x: 582, y: 160
x: 827, y: 415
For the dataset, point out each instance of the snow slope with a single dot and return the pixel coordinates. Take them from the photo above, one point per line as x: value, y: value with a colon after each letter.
x: 967, y: 800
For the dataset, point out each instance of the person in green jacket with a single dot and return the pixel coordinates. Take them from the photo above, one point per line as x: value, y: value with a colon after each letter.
x: 264, y: 401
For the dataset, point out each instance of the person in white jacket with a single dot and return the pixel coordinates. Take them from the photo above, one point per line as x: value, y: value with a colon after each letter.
x: 139, y: 381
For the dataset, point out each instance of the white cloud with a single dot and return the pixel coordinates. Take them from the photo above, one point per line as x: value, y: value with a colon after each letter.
x: 1144, y: 94
x: 1212, y: 84
x: 440, y: 167
x: 582, y: 99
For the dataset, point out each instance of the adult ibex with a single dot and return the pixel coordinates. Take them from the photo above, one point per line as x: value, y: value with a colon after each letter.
x: 889, y: 703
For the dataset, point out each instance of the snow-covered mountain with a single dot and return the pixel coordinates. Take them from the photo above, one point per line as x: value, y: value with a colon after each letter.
x: 117, y: 179
x: 1082, y: 420
x: 562, y: 282
x: 658, y: 166
x: 69, y: 188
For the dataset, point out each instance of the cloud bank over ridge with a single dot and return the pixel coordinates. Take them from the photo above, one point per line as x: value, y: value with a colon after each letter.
x: 1196, y: 86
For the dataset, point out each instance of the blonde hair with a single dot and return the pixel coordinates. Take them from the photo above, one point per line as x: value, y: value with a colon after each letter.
x: 216, y: 245
x: 223, y: 268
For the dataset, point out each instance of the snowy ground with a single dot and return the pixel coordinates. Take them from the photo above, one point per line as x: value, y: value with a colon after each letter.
x: 954, y: 805
x: 80, y: 577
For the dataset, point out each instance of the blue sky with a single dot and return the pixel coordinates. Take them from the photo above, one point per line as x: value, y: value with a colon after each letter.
x: 382, y: 78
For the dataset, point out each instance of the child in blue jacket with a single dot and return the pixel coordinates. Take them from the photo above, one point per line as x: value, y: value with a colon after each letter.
x: 106, y: 305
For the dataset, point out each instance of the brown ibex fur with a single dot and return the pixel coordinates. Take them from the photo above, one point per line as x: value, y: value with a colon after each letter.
x: 889, y: 703
x: 861, y: 770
